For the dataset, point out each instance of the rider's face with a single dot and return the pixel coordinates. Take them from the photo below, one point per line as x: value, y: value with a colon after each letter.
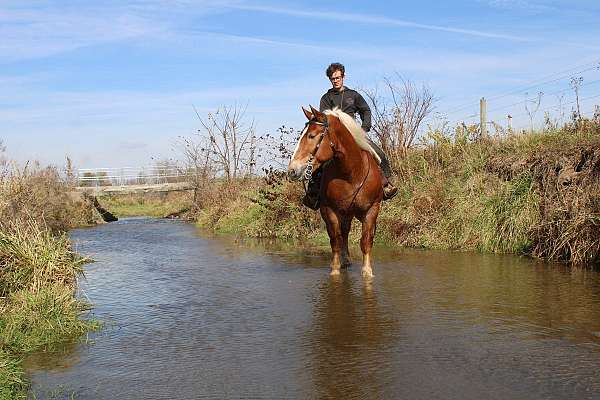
x: 337, y: 80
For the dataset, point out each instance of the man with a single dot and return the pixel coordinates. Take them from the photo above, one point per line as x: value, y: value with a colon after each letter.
x: 350, y: 102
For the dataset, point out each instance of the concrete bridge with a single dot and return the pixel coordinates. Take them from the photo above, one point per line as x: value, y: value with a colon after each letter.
x: 127, y: 180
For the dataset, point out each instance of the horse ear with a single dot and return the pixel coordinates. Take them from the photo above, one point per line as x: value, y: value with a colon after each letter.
x: 319, y: 116
x: 307, y: 113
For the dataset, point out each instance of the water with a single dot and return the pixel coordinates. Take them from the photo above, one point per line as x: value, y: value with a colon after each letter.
x: 191, y: 317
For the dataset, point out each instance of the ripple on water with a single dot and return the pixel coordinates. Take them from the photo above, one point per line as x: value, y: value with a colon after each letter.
x: 189, y: 316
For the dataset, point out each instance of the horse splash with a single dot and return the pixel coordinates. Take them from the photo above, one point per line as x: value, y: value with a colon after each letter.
x: 351, y: 183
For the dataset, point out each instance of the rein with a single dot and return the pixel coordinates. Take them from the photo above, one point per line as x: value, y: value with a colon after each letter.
x: 362, y: 183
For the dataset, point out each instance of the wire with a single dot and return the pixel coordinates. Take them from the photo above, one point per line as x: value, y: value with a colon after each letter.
x: 534, y: 98
x: 594, y: 65
x: 559, y: 105
x: 542, y: 83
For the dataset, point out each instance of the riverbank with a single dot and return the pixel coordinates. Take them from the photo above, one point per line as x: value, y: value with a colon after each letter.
x: 534, y: 194
x: 148, y: 204
x: 38, y: 269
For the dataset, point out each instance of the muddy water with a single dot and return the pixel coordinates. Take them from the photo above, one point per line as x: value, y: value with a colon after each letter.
x: 188, y: 317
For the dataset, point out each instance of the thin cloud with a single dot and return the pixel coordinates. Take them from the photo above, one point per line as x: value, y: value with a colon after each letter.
x: 518, y: 5
x: 366, y: 53
x: 33, y: 34
x: 374, y: 19
x: 31, y: 31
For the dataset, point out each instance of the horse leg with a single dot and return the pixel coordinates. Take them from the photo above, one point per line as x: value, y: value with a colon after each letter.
x: 346, y: 225
x: 334, y: 230
x: 369, y: 222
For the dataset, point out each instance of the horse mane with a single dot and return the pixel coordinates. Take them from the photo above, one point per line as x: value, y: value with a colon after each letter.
x: 359, y: 135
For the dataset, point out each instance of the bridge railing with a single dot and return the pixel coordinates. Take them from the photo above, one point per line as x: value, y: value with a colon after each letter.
x: 127, y: 176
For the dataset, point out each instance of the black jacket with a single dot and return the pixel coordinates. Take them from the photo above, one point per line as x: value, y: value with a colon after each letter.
x: 350, y: 101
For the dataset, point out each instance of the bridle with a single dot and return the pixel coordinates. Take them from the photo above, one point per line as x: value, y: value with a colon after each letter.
x: 309, y: 164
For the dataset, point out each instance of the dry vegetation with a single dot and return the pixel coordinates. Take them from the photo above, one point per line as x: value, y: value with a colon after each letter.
x: 38, y: 269
x: 535, y: 194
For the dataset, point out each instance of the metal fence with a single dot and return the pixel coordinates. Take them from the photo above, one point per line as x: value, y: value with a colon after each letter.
x: 127, y: 176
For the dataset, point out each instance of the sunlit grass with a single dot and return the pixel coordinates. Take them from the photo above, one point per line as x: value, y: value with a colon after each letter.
x: 147, y: 205
x: 38, y: 269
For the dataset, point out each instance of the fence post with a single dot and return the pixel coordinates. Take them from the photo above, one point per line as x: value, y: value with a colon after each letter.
x: 483, y: 117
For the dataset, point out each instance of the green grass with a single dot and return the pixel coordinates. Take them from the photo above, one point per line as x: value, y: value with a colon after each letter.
x: 35, y: 320
x: 272, y: 211
x: 148, y: 205
x: 31, y: 258
x: 38, y: 275
x: 12, y: 382
x: 508, y: 216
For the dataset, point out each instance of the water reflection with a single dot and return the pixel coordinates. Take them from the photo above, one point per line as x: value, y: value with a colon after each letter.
x: 349, y: 331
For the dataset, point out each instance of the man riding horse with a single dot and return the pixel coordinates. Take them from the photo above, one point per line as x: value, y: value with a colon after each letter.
x: 350, y: 102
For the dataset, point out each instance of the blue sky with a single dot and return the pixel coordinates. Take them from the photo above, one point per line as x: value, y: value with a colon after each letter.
x: 112, y: 83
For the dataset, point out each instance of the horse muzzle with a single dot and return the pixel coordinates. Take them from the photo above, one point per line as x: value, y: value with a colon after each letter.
x: 295, y: 174
x: 296, y: 170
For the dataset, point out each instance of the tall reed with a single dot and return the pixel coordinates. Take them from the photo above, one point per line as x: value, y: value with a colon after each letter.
x: 38, y: 268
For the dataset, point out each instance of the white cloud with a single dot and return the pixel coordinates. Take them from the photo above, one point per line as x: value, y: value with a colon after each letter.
x: 32, y: 34
x: 381, y: 20
x: 373, y: 19
x: 42, y: 29
x: 518, y: 5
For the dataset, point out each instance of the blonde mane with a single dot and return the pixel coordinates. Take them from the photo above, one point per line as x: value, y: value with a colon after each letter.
x: 360, y: 137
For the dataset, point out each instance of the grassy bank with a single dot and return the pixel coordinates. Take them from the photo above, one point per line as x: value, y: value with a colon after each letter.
x: 534, y: 194
x: 38, y: 269
x: 148, y: 204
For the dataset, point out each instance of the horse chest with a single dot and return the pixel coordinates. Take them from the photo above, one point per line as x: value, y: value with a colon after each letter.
x: 340, y: 194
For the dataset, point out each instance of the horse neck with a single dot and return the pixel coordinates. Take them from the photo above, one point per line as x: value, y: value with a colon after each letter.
x: 348, y: 155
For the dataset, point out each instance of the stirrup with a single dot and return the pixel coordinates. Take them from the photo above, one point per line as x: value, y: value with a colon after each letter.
x: 311, y: 202
x: 389, y: 191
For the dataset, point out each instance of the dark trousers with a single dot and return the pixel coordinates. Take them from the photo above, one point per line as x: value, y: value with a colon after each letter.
x: 385, y: 163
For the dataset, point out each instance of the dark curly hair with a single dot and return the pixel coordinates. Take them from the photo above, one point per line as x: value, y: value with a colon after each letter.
x: 335, y: 67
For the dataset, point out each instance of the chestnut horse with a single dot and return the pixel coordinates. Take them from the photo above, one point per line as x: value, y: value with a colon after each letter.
x: 351, y: 182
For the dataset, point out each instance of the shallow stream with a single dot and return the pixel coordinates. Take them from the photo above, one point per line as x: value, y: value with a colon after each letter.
x: 189, y: 316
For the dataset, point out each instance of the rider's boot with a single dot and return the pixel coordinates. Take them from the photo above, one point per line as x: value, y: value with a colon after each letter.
x: 389, y: 190
x: 311, y: 198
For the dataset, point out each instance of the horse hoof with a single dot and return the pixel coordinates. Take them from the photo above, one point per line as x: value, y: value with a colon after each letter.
x: 367, y: 273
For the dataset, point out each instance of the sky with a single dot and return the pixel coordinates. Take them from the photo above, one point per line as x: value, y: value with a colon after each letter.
x: 115, y: 83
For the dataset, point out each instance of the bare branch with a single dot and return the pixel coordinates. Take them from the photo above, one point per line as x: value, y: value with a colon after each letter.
x: 398, y: 118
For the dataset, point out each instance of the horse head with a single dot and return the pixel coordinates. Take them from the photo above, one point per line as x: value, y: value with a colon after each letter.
x: 314, y: 146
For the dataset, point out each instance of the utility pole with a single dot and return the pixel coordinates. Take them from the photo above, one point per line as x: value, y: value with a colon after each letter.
x: 483, y: 117
x: 509, y: 123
